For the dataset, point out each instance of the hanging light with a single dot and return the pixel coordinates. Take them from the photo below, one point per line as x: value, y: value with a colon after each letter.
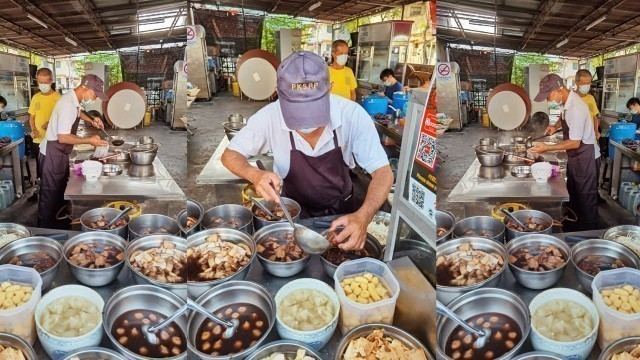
x: 70, y: 41
x: 40, y: 22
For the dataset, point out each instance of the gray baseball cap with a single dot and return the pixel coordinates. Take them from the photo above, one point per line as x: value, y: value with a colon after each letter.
x: 304, y: 91
x: 96, y: 84
x: 547, y: 85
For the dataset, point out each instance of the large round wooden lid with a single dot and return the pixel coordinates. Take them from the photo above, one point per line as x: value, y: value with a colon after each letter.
x: 508, y: 106
x: 126, y: 106
x: 256, y: 72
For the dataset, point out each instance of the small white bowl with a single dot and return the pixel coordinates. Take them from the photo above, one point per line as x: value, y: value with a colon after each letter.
x: 316, y: 339
x: 91, y: 170
x: 57, y: 347
x: 579, y: 349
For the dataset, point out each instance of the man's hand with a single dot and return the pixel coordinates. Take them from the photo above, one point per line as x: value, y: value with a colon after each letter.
x: 96, y: 141
x: 550, y: 130
x: 265, y: 183
x: 34, y: 133
x: 539, y: 148
x: 354, y: 234
x: 97, y: 123
x: 380, y: 93
x: 598, y: 135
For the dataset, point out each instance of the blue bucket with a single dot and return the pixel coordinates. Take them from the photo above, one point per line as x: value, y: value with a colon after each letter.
x: 15, y: 131
x: 400, y: 101
x: 374, y: 104
x: 620, y: 131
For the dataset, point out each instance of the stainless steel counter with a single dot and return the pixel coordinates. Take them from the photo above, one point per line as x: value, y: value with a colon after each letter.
x: 14, y: 150
x: 620, y: 151
x: 215, y: 173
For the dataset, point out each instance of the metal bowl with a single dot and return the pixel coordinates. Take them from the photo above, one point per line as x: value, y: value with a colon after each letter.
x: 152, y: 224
x: 111, y: 169
x: 517, y: 139
x: 603, y: 248
x: 155, y: 241
x: 35, y: 244
x: 142, y: 297
x: 232, y: 128
x: 523, y: 215
x: 109, y: 214
x: 371, y: 245
x: 481, y: 301
x: 624, y: 344
x: 539, y: 355
x: 17, y: 342
x: 488, y: 141
x: 287, y: 347
x: 491, y: 172
x: 197, y: 288
x: 145, y: 140
x: 123, y: 156
x: 140, y: 156
x: 624, y: 230
x: 141, y: 171
x: 389, y: 330
x: 522, y: 171
x: 93, y: 353
x: 239, y: 118
x: 229, y: 293
x: 259, y: 223
x: 195, y: 210
x: 493, y: 226
x: 276, y: 268
x: 490, y: 156
x: 95, y: 277
x: 445, y: 294
x: 538, y: 279
x: 228, y: 211
x: 11, y: 228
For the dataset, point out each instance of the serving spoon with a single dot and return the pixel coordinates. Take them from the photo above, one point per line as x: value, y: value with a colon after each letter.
x: 510, y: 216
x: 122, y: 213
x: 231, y: 326
x: 482, y: 335
x: 150, y: 331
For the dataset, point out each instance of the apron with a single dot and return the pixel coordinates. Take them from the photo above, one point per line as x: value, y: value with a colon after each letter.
x: 582, y: 183
x: 321, y: 185
x: 55, y: 175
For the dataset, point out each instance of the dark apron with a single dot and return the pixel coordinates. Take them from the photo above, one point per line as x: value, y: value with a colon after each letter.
x: 321, y: 185
x: 55, y: 175
x: 582, y: 183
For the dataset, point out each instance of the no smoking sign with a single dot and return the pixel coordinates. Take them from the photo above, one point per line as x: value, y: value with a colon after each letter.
x: 444, y: 69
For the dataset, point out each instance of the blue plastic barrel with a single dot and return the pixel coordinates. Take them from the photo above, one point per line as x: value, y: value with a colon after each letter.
x: 400, y: 101
x: 15, y: 131
x: 374, y: 104
x: 620, y: 131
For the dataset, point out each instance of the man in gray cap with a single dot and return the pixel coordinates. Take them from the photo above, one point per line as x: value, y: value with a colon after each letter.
x: 579, y: 141
x: 58, y: 143
x: 315, y: 138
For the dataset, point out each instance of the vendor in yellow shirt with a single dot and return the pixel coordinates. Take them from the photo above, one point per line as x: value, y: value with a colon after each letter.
x: 343, y: 82
x: 40, y: 110
x: 583, y: 82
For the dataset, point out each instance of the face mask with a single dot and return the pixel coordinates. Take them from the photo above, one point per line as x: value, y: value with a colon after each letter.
x: 307, y: 131
x: 584, y: 89
x: 634, y: 112
x: 342, y: 59
x: 86, y: 103
x: 387, y: 83
x: 44, y: 87
x: 555, y: 104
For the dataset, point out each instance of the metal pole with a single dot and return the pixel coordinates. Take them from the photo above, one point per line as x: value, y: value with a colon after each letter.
x: 244, y: 27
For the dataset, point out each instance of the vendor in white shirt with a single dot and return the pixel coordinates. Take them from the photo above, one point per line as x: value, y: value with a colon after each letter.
x: 314, y: 137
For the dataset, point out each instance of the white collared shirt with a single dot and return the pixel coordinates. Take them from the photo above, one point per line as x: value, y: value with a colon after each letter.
x: 266, y: 131
x: 576, y: 114
x: 64, y: 114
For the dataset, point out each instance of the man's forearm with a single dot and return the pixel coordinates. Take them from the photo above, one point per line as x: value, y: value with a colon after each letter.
x: 32, y: 122
x: 381, y: 182
x: 565, y: 145
x: 72, y: 139
x: 238, y: 165
x: 353, y: 95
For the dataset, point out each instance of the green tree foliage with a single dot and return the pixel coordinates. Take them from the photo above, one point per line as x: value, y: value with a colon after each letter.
x: 521, y: 61
x: 272, y: 24
x: 111, y: 59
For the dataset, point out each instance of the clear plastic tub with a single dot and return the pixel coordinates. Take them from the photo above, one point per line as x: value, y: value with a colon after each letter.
x: 353, y: 314
x: 615, y: 325
x: 20, y: 321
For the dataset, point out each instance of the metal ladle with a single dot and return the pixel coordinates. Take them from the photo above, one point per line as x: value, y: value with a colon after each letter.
x: 123, y: 213
x: 510, y: 216
x: 482, y: 335
x: 150, y: 331
x: 262, y: 207
x: 231, y: 326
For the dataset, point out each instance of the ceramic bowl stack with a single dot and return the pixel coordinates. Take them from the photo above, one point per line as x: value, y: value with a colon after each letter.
x: 541, y: 171
x: 91, y: 170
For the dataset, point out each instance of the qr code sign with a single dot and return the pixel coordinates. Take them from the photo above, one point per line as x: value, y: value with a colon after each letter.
x: 417, y: 196
x: 426, y: 152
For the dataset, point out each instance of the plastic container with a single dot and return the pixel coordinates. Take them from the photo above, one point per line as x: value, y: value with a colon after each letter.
x: 353, y: 314
x: 400, y: 101
x: 15, y: 131
x: 615, y: 325
x: 630, y: 198
x: 6, y: 196
x: 620, y: 131
x: 3, y: 205
x: 622, y: 186
x: 625, y: 193
x: 374, y: 104
x: 20, y: 321
x: 12, y: 189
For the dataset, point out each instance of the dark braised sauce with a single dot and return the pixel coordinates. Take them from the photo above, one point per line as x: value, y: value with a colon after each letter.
x: 479, y: 233
x: 443, y: 275
x: 127, y: 330
x: 337, y: 256
x: 253, y: 324
x: 40, y: 262
x: 593, y: 264
x: 277, y: 211
x: 505, y: 334
x: 232, y: 223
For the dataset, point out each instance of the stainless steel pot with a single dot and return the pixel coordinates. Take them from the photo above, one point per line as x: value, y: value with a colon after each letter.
x: 229, y: 293
x: 197, y: 288
x: 475, y: 225
x: 226, y: 212
x: 489, y: 157
x: 389, y: 330
x: 624, y: 344
x: 195, y: 210
x: 155, y: 241
x: 277, y: 268
x: 539, y: 355
x: 17, y: 342
x: 145, y: 297
x: 141, y: 171
x: 109, y: 214
x: 92, y: 353
x: 488, y: 141
x: 287, y: 347
x: 236, y: 118
x: 372, y: 246
x: 259, y: 223
x: 482, y: 301
x: 94, y: 277
x: 145, y: 140
x: 232, y: 128
x: 31, y: 245
x: 523, y: 215
x: 538, y: 280
x: 11, y: 228
x: 141, y: 156
x: 445, y: 294
x: 152, y: 224
x: 445, y: 219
